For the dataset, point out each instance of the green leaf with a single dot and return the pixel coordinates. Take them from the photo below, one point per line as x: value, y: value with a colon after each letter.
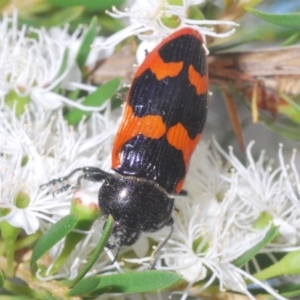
x: 97, y: 98
x: 87, y: 41
x: 74, y: 94
x: 270, y: 235
x: 109, y: 25
x: 51, y: 237
x: 288, y: 265
x: 89, y: 5
x: 119, y: 98
x: 27, y: 240
x: 62, y: 69
x: 109, y: 226
x: 292, y: 40
x: 62, y: 17
x: 85, y: 286
x: 2, y: 278
x: 195, y: 13
x: 289, y: 291
x: 138, y: 282
x: 288, y: 131
x: 292, y: 111
x: 290, y: 20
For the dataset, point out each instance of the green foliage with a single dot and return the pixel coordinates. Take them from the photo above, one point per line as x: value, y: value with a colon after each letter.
x: 85, y: 286
x: 126, y: 283
x: 96, y: 99
x: 281, y: 28
x: 250, y: 254
x: 292, y: 39
x: 86, y: 44
x: 1, y: 279
x: 136, y: 282
x: 49, y: 13
x: 290, y: 20
x: 63, y: 68
x: 288, y: 265
x: 62, y: 17
x: 109, y: 226
x: 51, y: 237
x: 89, y: 5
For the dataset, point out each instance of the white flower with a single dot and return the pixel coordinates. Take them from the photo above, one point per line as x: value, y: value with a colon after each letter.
x: 29, y: 209
x: 209, y: 234
x: 73, y: 42
x: 147, y: 21
x: 38, y: 147
x: 32, y: 62
x: 262, y: 189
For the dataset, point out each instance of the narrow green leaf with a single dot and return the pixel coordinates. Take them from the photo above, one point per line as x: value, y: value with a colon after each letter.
x: 288, y: 265
x: 195, y: 13
x: 288, y: 131
x: 97, y: 98
x: 109, y: 25
x: 138, y: 282
x: 109, y: 226
x: 89, y: 5
x: 292, y: 111
x: 62, y: 69
x: 119, y: 98
x: 290, y: 20
x: 62, y: 17
x: 270, y: 235
x: 292, y: 40
x: 74, y: 94
x: 87, y: 41
x: 289, y: 291
x: 2, y: 278
x: 85, y: 286
x: 51, y: 237
x: 27, y: 240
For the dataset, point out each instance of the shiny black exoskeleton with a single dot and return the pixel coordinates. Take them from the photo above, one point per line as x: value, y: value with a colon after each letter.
x: 136, y: 204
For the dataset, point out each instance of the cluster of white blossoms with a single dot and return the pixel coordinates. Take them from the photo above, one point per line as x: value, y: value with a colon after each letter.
x: 38, y: 147
x: 34, y: 62
x: 214, y: 225
x: 217, y: 222
x: 149, y: 21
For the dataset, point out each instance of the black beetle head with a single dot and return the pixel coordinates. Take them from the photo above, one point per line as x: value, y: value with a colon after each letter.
x: 136, y: 205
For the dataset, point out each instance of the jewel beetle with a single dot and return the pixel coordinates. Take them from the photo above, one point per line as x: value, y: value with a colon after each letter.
x: 164, y: 116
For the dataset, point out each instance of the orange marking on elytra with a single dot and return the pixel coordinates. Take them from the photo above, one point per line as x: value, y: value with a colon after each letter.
x: 151, y: 126
x: 178, y: 137
x: 198, y: 81
x: 179, y: 186
x: 158, y: 67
